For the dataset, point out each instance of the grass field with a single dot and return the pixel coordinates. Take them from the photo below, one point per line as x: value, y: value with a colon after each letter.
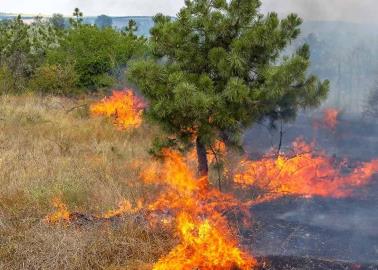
x: 48, y: 149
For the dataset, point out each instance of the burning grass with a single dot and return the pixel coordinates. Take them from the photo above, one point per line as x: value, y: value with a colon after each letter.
x: 305, y: 172
x: 49, y: 151
x: 189, y: 206
x: 123, y: 106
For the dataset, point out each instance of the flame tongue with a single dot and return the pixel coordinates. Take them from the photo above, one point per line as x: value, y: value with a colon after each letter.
x: 306, y: 174
x: 61, y: 214
x: 203, y: 246
x: 123, y: 106
x: 206, y: 241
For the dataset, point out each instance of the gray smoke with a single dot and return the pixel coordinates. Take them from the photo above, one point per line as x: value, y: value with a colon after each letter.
x: 330, y: 10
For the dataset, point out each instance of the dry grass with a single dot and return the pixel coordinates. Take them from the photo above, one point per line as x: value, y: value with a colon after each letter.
x: 47, y: 152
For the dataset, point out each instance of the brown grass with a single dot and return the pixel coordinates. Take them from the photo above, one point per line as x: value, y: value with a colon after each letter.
x: 46, y: 151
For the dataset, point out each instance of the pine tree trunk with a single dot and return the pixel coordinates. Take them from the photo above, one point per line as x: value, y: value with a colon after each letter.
x: 203, y: 168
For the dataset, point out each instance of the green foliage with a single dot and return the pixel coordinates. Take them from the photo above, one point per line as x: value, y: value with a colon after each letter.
x: 131, y: 28
x: 55, y: 79
x: 95, y: 53
x: 23, y: 48
x: 35, y: 56
x: 58, y: 22
x: 218, y: 69
x: 6, y: 80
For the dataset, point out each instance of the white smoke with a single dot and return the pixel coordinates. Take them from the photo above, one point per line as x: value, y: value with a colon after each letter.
x: 362, y: 11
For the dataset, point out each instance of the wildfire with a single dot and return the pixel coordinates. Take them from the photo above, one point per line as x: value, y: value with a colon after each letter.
x: 124, y: 207
x: 124, y: 106
x: 203, y: 247
x: 60, y: 215
x: 63, y: 215
x: 207, y: 242
x: 218, y: 150
x: 306, y: 173
x: 197, y: 212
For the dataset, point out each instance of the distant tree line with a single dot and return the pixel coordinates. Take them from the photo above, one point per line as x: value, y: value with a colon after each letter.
x: 64, y: 56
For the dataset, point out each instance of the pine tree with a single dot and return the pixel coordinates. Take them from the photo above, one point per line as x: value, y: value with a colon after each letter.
x: 218, y: 69
x: 78, y: 18
x: 131, y: 28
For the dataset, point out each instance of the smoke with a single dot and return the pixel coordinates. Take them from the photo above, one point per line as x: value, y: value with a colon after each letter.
x: 329, y: 10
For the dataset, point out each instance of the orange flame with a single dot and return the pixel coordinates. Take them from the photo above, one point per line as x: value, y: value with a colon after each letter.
x: 207, y: 242
x: 124, y: 106
x: 124, y: 207
x: 203, y: 246
x: 60, y: 215
x: 307, y: 173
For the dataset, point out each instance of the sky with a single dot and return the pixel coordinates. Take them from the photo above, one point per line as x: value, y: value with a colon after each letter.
x: 345, y: 10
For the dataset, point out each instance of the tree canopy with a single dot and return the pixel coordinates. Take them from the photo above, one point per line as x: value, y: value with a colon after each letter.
x: 50, y: 55
x: 95, y: 53
x: 23, y: 48
x: 218, y: 68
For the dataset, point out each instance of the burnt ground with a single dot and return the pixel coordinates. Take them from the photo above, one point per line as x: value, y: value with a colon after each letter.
x: 296, y: 263
x: 318, y: 233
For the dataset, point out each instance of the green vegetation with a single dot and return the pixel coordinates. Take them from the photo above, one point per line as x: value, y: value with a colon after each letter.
x: 217, y: 69
x: 22, y: 50
x: 96, y: 54
x: 49, y: 57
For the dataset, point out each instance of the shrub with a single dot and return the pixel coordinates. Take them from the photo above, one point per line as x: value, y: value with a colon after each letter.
x: 6, y: 80
x: 95, y: 54
x: 55, y: 79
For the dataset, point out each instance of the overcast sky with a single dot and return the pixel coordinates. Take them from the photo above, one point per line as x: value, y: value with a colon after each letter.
x: 347, y: 10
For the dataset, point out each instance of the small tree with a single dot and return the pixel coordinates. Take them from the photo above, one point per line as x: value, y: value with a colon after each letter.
x: 103, y: 21
x: 77, y: 19
x: 131, y: 28
x: 219, y: 71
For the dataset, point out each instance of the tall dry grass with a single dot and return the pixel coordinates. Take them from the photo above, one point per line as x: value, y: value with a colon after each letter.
x: 48, y: 150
